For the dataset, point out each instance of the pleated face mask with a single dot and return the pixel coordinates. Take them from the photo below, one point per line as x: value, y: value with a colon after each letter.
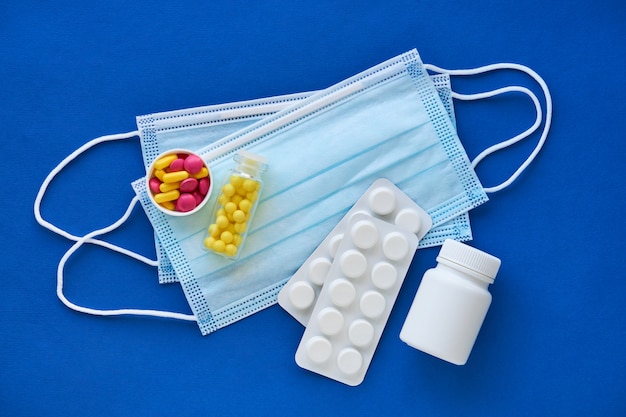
x: 323, y: 153
x: 323, y: 150
x: 196, y: 127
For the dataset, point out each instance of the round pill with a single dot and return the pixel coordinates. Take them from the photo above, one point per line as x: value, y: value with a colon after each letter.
x: 301, y: 295
x: 203, y: 185
x: 334, y: 243
x: 199, y: 197
x: 361, y: 332
x: 409, y: 220
x: 382, y: 201
x: 384, y: 275
x: 349, y: 361
x: 342, y: 292
x: 359, y: 212
x: 330, y: 321
x: 193, y: 164
x: 372, y: 304
x: 188, y: 185
x: 318, y: 270
x: 177, y: 164
x: 395, y: 246
x: 364, y: 234
x: 186, y: 202
x: 230, y: 250
x: 353, y: 263
x: 318, y: 349
x: 154, y: 184
x: 239, y: 216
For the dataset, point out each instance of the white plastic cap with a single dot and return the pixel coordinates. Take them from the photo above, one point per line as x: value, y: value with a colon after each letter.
x: 484, y: 266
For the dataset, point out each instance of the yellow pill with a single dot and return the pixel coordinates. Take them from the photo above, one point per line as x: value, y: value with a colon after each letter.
x: 228, y: 190
x: 230, y: 217
x: 222, y: 222
x: 245, y: 205
x: 204, y: 172
x: 237, y: 239
x: 159, y: 174
x: 169, y: 186
x: 236, y: 199
x: 176, y: 176
x: 214, y: 230
x: 208, y: 242
x: 231, y: 228
x: 223, y: 199
x: 236, y: 181
x: 241, y: 227
x: 239, y: 216
x: 252, y: 196
x: 168, y: 196
x: 218, y: 246
x: 168, y: 205
x: 230, y: 207
x: 165, y: 161
x: 230, y: 250
x: 250, y: 185
x: 220, y: 212
x: 226, y: 237
x: 241, y: 192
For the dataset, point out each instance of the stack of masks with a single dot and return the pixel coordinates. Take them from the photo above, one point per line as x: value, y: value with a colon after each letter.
x: 323, y: 149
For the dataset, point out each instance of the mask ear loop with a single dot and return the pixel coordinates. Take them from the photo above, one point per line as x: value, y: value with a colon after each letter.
x: 528, y: 132
x: 89, y: 238
x: 44, y: 186
x: 125, y: 311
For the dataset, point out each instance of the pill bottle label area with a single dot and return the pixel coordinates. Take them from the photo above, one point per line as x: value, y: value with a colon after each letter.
x: 382, y: 200
x: 359, y: 291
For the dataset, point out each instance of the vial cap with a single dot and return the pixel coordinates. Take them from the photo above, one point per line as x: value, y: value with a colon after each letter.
x: 471, y: 258
x: 251, y: 159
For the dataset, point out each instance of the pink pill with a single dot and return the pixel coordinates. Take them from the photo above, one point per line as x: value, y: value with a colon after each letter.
x: 155, y: 183
x: 188, y: 185
x: 186, y: 202
x: 203, y: 185
x: 193, y: 164
x: 177, y: 165
x: 199, y: 197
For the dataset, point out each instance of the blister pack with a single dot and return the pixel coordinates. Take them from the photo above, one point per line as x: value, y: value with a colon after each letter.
x: 382, y: 200
x: 356, y: 300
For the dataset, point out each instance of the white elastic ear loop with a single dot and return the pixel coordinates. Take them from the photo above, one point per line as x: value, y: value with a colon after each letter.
x: 522, y: 135
x: 88, y: 238
x: 59, y: 168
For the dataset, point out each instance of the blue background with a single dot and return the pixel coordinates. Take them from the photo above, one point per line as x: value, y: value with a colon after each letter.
x: 554, y: 341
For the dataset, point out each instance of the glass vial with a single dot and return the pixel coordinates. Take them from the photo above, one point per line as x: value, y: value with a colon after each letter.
x: 235, y: 206
x: 451, y: 303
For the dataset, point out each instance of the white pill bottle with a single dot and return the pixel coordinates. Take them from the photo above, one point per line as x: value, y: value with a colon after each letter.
x: 451, y: 303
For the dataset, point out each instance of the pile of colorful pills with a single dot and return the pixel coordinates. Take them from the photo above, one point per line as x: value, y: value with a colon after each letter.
x: 179, y: 182
x: 235, y: 205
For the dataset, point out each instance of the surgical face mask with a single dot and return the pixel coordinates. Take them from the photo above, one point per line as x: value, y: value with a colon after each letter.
x: 323, y: 153
x: 235, y: 291
x: 169, y: 130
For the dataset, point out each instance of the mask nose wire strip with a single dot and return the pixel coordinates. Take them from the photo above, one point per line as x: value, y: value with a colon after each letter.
x: 502, y: 145
x: 59, y: 168
x: 126, y: 311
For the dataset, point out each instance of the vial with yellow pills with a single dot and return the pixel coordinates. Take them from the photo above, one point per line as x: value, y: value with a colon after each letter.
x: 235, y: 206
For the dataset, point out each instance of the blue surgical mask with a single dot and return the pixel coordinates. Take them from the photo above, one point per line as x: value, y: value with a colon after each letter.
x: 412, y: 129
x: 169, y: 130
x: 322, y: 152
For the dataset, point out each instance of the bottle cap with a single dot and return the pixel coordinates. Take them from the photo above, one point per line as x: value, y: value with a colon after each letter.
x: 477, y: 261
x: 248, y: 158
